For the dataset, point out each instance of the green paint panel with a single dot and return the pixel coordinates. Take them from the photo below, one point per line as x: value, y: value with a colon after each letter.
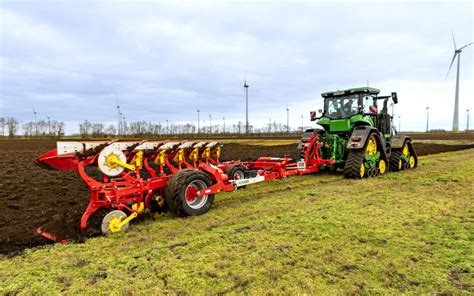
x: 358, y: 118
x: 324, y: 121
x: 342, y: 125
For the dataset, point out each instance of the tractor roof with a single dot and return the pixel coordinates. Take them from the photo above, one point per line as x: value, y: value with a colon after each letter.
x: 350, y: 91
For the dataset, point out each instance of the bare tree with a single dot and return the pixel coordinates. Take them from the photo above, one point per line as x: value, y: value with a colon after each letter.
x: 85, y: 129
x: 12, y: 126
x: 28, y: 129
x: 3, y: 122
x: 42, y: 127
x: 97, y: 129
x: 111, y: 130
x: 57, y: 128
x: 137, y: 128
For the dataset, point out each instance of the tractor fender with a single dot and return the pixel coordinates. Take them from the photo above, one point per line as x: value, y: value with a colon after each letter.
x: 359, y: 137
x: 398, y: 141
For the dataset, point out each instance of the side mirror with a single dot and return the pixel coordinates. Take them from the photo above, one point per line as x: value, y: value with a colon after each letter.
x: 394, y: 97
x: 320, y: 111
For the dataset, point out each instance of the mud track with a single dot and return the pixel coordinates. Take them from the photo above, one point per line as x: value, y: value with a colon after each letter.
x: 55, y: 200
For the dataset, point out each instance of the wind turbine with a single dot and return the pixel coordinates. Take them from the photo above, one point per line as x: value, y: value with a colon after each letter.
x: 119, y: 123
x: 457, y: 53
x: 36, y: 121
x: 49, y: 124
x: 246, y: 86
x: 199, y: 121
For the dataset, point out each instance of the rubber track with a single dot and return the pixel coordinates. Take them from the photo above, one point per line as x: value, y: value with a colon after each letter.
x: 394, y: 159
x: 353, y: 162
x: 175, y: 186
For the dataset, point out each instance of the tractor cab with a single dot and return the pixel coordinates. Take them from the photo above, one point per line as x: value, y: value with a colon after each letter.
x: 347, y: 103
x: 346, y: 109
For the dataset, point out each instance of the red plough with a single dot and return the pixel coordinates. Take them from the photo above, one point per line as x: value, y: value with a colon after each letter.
x: 181, y: 177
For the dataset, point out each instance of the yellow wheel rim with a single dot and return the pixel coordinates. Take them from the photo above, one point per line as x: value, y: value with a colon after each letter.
x: 111, y: 160
x: 400, y: 164
x: 412, y: 162
x: 362, y: 170
x: 371, y: 148
x: 405, y: 150
x: 382, y: 166
x: 114, y: 225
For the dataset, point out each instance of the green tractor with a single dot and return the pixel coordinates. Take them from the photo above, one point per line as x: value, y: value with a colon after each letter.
x: 356, y: 132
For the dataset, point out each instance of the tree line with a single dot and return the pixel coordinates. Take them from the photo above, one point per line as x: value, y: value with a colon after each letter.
x: 10, y: 126
x: 89, y: 129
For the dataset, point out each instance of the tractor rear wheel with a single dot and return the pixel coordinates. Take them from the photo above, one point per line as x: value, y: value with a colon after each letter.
x: 403, y: 158
x: 182, y: 193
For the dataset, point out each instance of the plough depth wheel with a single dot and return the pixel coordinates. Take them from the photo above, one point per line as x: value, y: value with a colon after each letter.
x: 112, y: 222
x: 182, y: 193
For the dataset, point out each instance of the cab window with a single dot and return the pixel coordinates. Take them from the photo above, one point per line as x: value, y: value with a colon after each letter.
x: 370, y: 105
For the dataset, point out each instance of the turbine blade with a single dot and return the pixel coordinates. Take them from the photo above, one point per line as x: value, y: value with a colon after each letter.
x: 452, y: 61
x: 454, y: 41
x: 466, y: 45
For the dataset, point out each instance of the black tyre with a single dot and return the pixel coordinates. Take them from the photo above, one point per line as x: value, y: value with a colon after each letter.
x: 181, y: 193
x: 158, y: 204
x: 236, y: 172
x: 396, y: 160
x: 354, y: 166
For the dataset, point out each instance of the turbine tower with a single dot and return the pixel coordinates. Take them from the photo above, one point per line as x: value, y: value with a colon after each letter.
x: 246, y: 86
x: 199, y: 121
x: 119, y: 121
x: 36, y: 121
x: 457, y: 53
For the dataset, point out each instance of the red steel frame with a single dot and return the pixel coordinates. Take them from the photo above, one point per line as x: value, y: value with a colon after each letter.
x: 130, y: 188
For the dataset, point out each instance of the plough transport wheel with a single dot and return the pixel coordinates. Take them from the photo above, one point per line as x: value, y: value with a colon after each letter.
x: 235, y: 172
x: 182, y: 193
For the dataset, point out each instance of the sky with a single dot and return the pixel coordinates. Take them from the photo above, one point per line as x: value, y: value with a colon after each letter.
x: 162, y: 60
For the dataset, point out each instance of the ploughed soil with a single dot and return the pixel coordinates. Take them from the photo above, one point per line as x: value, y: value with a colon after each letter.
x: 461, y: 136
x: 32, y: 197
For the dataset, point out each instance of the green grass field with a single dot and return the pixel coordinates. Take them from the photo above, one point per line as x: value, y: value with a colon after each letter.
x: 410, y: 232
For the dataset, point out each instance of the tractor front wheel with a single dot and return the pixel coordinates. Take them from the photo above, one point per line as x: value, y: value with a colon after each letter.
x: 366, y: 162
x: 354, y: 167
x: 182, y: 193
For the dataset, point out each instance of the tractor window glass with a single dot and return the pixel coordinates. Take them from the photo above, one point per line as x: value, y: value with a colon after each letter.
x: 370, y: 104
x: 341, y: 107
